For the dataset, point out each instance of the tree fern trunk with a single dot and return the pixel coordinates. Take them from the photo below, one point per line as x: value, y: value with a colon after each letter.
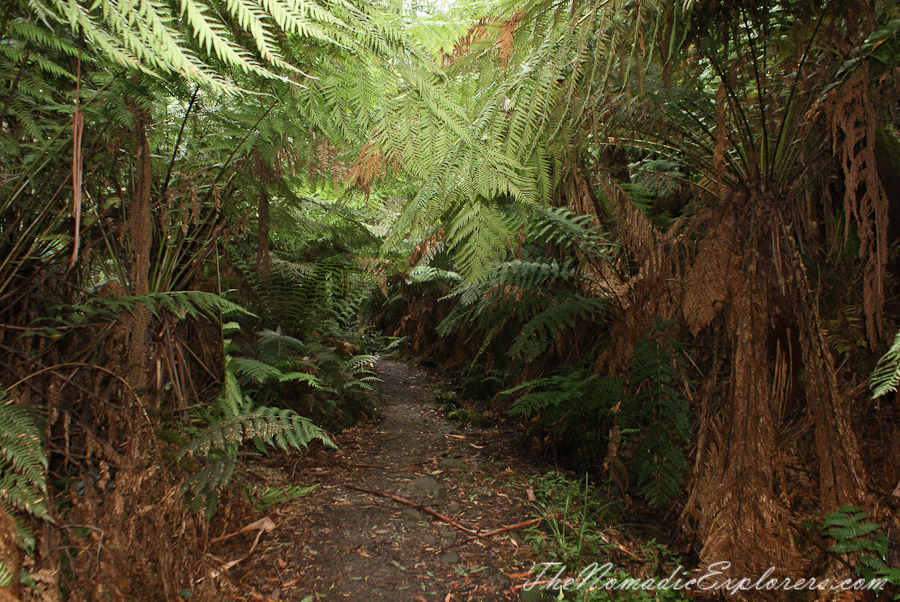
x: 742, y: 516
x: 263, y: 259
x: 140, y: 230
x: 842, y: 475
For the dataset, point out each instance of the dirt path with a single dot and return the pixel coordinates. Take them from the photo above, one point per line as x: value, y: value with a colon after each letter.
x: 343, y: 544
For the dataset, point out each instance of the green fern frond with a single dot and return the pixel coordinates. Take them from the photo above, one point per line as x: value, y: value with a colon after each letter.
x: 886, y: 375
x: 283, y: 428
x: 260, y: 372
x: 194, y: 304
x: 863, y: 542
x: 23, y: 460
x: 561, y: 226
x: 203, y: 488
x: 273, y: 345
x: 566, y: 391
x: 659, y: 417
x: 158, y: 39
x: 424, y: 274
x: 544, y: 327
x: 6, y: 575
x: 361, y: 363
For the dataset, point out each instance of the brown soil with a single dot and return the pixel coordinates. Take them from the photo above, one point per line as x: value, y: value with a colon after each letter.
x: 339, y: 543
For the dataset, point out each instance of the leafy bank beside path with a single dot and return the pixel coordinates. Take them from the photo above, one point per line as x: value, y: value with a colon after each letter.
x: 340, y: 543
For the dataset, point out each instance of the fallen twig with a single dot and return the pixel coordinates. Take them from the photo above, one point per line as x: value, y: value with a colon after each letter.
x: 424, y: 509
x: 474, y: 533
x: 489, y: 534
x: 527, y: 523
x: 264, y: 525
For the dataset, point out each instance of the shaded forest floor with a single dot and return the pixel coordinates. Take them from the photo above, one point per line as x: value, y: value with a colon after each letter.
x: 340, y: 543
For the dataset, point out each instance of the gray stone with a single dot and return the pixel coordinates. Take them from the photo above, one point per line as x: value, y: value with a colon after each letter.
x: 425, y: 486
x: 454, y: 508
x: 429, y: 539
x: 453, y: 464
x: 448, y: 537
x: 450, y: 558
x: 535, y: 594
x: 412, y: 514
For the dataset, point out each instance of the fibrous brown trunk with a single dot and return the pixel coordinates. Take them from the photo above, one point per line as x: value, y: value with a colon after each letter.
x: 140, y: 230
x: 741, y: 499
x: 263, y: 259
x: 743, y: 517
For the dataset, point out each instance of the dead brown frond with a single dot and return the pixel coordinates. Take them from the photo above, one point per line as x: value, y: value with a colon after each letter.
x: 479, y: 33
x: 712, y: 277
x: 852, y: 128
x: 371, y: 166
x: 426, y: 250
x: 505, y: 42
x: 325, y: 163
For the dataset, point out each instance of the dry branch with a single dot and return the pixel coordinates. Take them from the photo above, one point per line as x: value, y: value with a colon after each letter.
x: 522, y: 525
x: 424, y: 509
x: 449, y: 521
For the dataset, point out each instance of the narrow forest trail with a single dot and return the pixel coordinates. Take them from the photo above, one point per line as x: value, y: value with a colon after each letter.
x: 339, y: 543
